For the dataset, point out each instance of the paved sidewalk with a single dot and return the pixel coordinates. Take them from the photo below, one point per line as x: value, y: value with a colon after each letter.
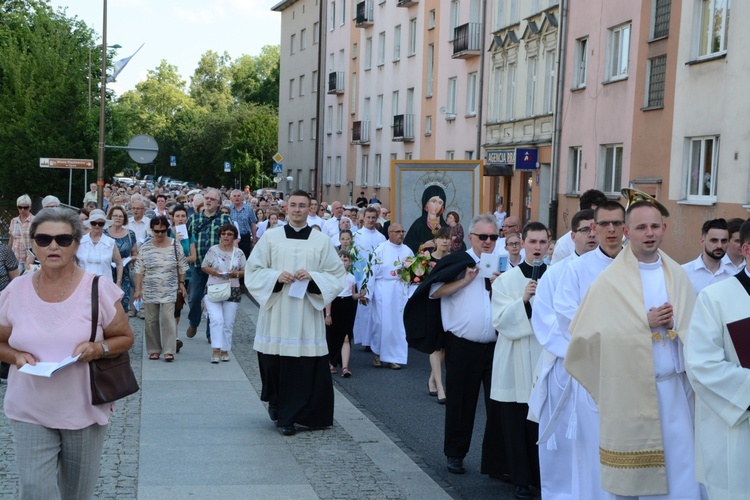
x: 199, y: 430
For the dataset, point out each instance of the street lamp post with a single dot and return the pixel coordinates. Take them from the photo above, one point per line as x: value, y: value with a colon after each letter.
x: 100, y: 166
x: 86, y: 172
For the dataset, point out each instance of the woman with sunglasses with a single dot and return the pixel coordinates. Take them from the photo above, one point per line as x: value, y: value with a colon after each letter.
x: 159, y: 276
x: 97, y: 251
x: 46, y: 318
x: 20, y: 242
x: 223, y: 263
x: 127, y: 246
x: 179, y: 218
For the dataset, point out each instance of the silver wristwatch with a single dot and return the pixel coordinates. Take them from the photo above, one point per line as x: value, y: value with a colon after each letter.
x: 105, y: 347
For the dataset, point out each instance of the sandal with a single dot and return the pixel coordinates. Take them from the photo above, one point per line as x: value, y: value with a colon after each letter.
x: 153, y: 355
x: 345, y: 372
x: 169, y: 357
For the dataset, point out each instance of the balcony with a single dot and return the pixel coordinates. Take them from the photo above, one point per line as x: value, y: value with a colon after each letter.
x: 361, y: 132
x: 466, y: 41
x: 336, y: 82
x: 405, y: 3
x: 365, y: 14
x: 403, y: 128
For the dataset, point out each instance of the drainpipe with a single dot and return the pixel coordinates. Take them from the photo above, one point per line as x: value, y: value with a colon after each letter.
x: 562, y: 33
x: 322, y: 91
x: 480, y: 91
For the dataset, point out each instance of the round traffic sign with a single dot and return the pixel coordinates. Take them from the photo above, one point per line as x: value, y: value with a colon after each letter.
x: 143, y: 148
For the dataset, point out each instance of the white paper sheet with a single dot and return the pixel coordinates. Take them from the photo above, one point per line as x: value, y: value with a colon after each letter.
x: 47, y: 369
x: 488, y: 264
x: 298, y: 289
x: 181, y: 230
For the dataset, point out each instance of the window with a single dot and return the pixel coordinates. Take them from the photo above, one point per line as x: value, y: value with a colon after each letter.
x: 619, y: 51
x: 381, y: 48
x: 408, y: 156
x: 549, y: 81
x: 611, y: 171
x: 450, y: 155
x: 342, y: 13
x: 290, y: 131
x: 471, y: 94
x: 368, y: 53
x: 574, y: 170
x: 301, y: 85
x: 430, y: 69
x: 531, y: 85
x: 332, y: 23
x: 379, y: 112
x: 657, y: 69
x: 338, y: 170
x: 514, y: 15
x: 366, y: 110
x: 353, y: 105
x: 397, y: 43
x: 316, y: 33
x: 581, y: 63
x: 455, y: 19
x: 315, y: 81
x: 329, y: 120
x: 713, y: 24
x: 702, y: 165
x: 394, y: 106
x: 431, y: 19
x: 303, y: 39
x: 378, y: 168
x: 313, y: 128
x: 340, y: 118
x: 468, y: 155
x: 301, y: 130
x: 292, y: 91
x: 428, y: 125
x: 450, y: 108
x: 354, y: 50
x: 534, y: 7
x: 496, y: 95
x: 412, y: 37
x: 365, y: 170
x: 293, y: 43
x: 327, y: 173
x: 510, y: 96
x: 499, y: 14
x: 660, y: 18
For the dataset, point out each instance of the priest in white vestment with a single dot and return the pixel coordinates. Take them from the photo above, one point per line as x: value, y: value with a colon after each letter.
x: 517, y: 353
x: 366, y: 240
x: 550, y: 402
x: 626, y: 350
x: 722, y: 385
x: 293, y: 273
x: 389, y: 296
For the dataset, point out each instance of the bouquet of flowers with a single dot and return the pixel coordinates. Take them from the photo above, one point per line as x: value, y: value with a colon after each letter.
x: 414, y: 269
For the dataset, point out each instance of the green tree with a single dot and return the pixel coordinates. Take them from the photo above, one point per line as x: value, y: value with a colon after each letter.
x: 210, y: 84
x: 256, y: 78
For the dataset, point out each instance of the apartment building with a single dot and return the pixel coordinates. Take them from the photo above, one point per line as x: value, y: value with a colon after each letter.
x: 298, y: 92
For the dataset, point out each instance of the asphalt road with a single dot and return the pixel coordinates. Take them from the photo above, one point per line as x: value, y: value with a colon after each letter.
x: 399, y: 403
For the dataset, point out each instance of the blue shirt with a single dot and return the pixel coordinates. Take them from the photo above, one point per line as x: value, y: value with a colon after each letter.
x: 245, y: 217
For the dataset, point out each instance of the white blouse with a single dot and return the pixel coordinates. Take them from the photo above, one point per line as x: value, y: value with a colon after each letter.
x: 96, y: 258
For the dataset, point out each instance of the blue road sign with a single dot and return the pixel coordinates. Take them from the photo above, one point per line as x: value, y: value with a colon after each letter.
x: 526, y: 159
x: 227, y: 166
x: 172, y: 161
x: 278, y: 168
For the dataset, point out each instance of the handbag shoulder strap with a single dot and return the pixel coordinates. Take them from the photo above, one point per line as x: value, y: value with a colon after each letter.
x: 176, y: 258
x: 94, y: 307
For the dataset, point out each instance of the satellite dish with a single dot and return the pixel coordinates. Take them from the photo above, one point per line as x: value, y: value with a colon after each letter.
x: 443, y: 110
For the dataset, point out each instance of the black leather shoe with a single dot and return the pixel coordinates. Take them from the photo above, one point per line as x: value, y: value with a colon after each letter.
x: 288, y: 430
x: 456, y: 465
x: 273, y: 413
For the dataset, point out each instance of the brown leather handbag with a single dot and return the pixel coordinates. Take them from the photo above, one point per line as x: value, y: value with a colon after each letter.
x: 112, y: 378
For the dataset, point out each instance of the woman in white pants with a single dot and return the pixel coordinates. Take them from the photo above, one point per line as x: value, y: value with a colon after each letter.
x: 224, y: 264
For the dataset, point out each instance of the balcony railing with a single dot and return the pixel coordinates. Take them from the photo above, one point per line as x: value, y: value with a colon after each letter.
x: 405, y: 3
x: 403, y: 128
x: 365, y: 14
x: 466, y: 41
x: 361, y: 132
x: 336, y: 82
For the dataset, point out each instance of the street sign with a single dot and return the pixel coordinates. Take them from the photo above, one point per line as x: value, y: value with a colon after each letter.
x: 278, y: 168
x: 278, y: 158
x: 142, y: 149
x: 66, y: 163
x: 227, y: 166
x: 172, y: 161
x: 501, y: 156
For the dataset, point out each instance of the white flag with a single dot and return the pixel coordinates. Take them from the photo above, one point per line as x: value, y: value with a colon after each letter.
x: 120, y: 65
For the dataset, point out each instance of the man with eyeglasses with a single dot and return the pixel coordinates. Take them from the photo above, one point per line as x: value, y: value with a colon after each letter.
x: 589, y: 199
x: 388, y: 300
x: 511, y: 225
x: 204, y: 226
x: 460, y: 316
x: 244, y: 215
x: 138, y: 222
x: 549, y: 402
x: 517, y: 353
x: 626, y: 350
x: 579, y: 274
x: 290, y: 336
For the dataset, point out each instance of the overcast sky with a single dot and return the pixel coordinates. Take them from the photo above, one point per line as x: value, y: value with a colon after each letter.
x: 179, y: 31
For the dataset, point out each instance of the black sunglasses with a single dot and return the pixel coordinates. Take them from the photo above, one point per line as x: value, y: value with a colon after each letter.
x: 22, y: 208
x: 97, y: 223
x: 44, y: 240
x: 159, y: 231
x: 483, y: 237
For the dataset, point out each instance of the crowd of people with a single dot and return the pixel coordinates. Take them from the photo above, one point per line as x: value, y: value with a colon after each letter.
x: 607, y: 369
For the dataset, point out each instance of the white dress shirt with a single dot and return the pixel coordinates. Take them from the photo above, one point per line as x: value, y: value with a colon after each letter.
x: 701, y: 277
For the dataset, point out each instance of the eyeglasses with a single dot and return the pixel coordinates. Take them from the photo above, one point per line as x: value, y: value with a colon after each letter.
x: 396, y: 231
x: 483, y: 237
x: 210, y: 199
x: 514, y: 244
x: 583, y: 230
x: 23, y: 208
x: 227, y: 233
x: 159, y: 231
x: 97, y: 223
x: 505, y: 228
x: 44, y: 240
x: 605, y: 223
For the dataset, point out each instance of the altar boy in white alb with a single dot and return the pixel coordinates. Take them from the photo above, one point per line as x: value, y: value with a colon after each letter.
x: 722, y: 384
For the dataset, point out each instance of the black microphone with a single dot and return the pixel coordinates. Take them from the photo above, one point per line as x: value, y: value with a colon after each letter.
x: 537, y: 270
